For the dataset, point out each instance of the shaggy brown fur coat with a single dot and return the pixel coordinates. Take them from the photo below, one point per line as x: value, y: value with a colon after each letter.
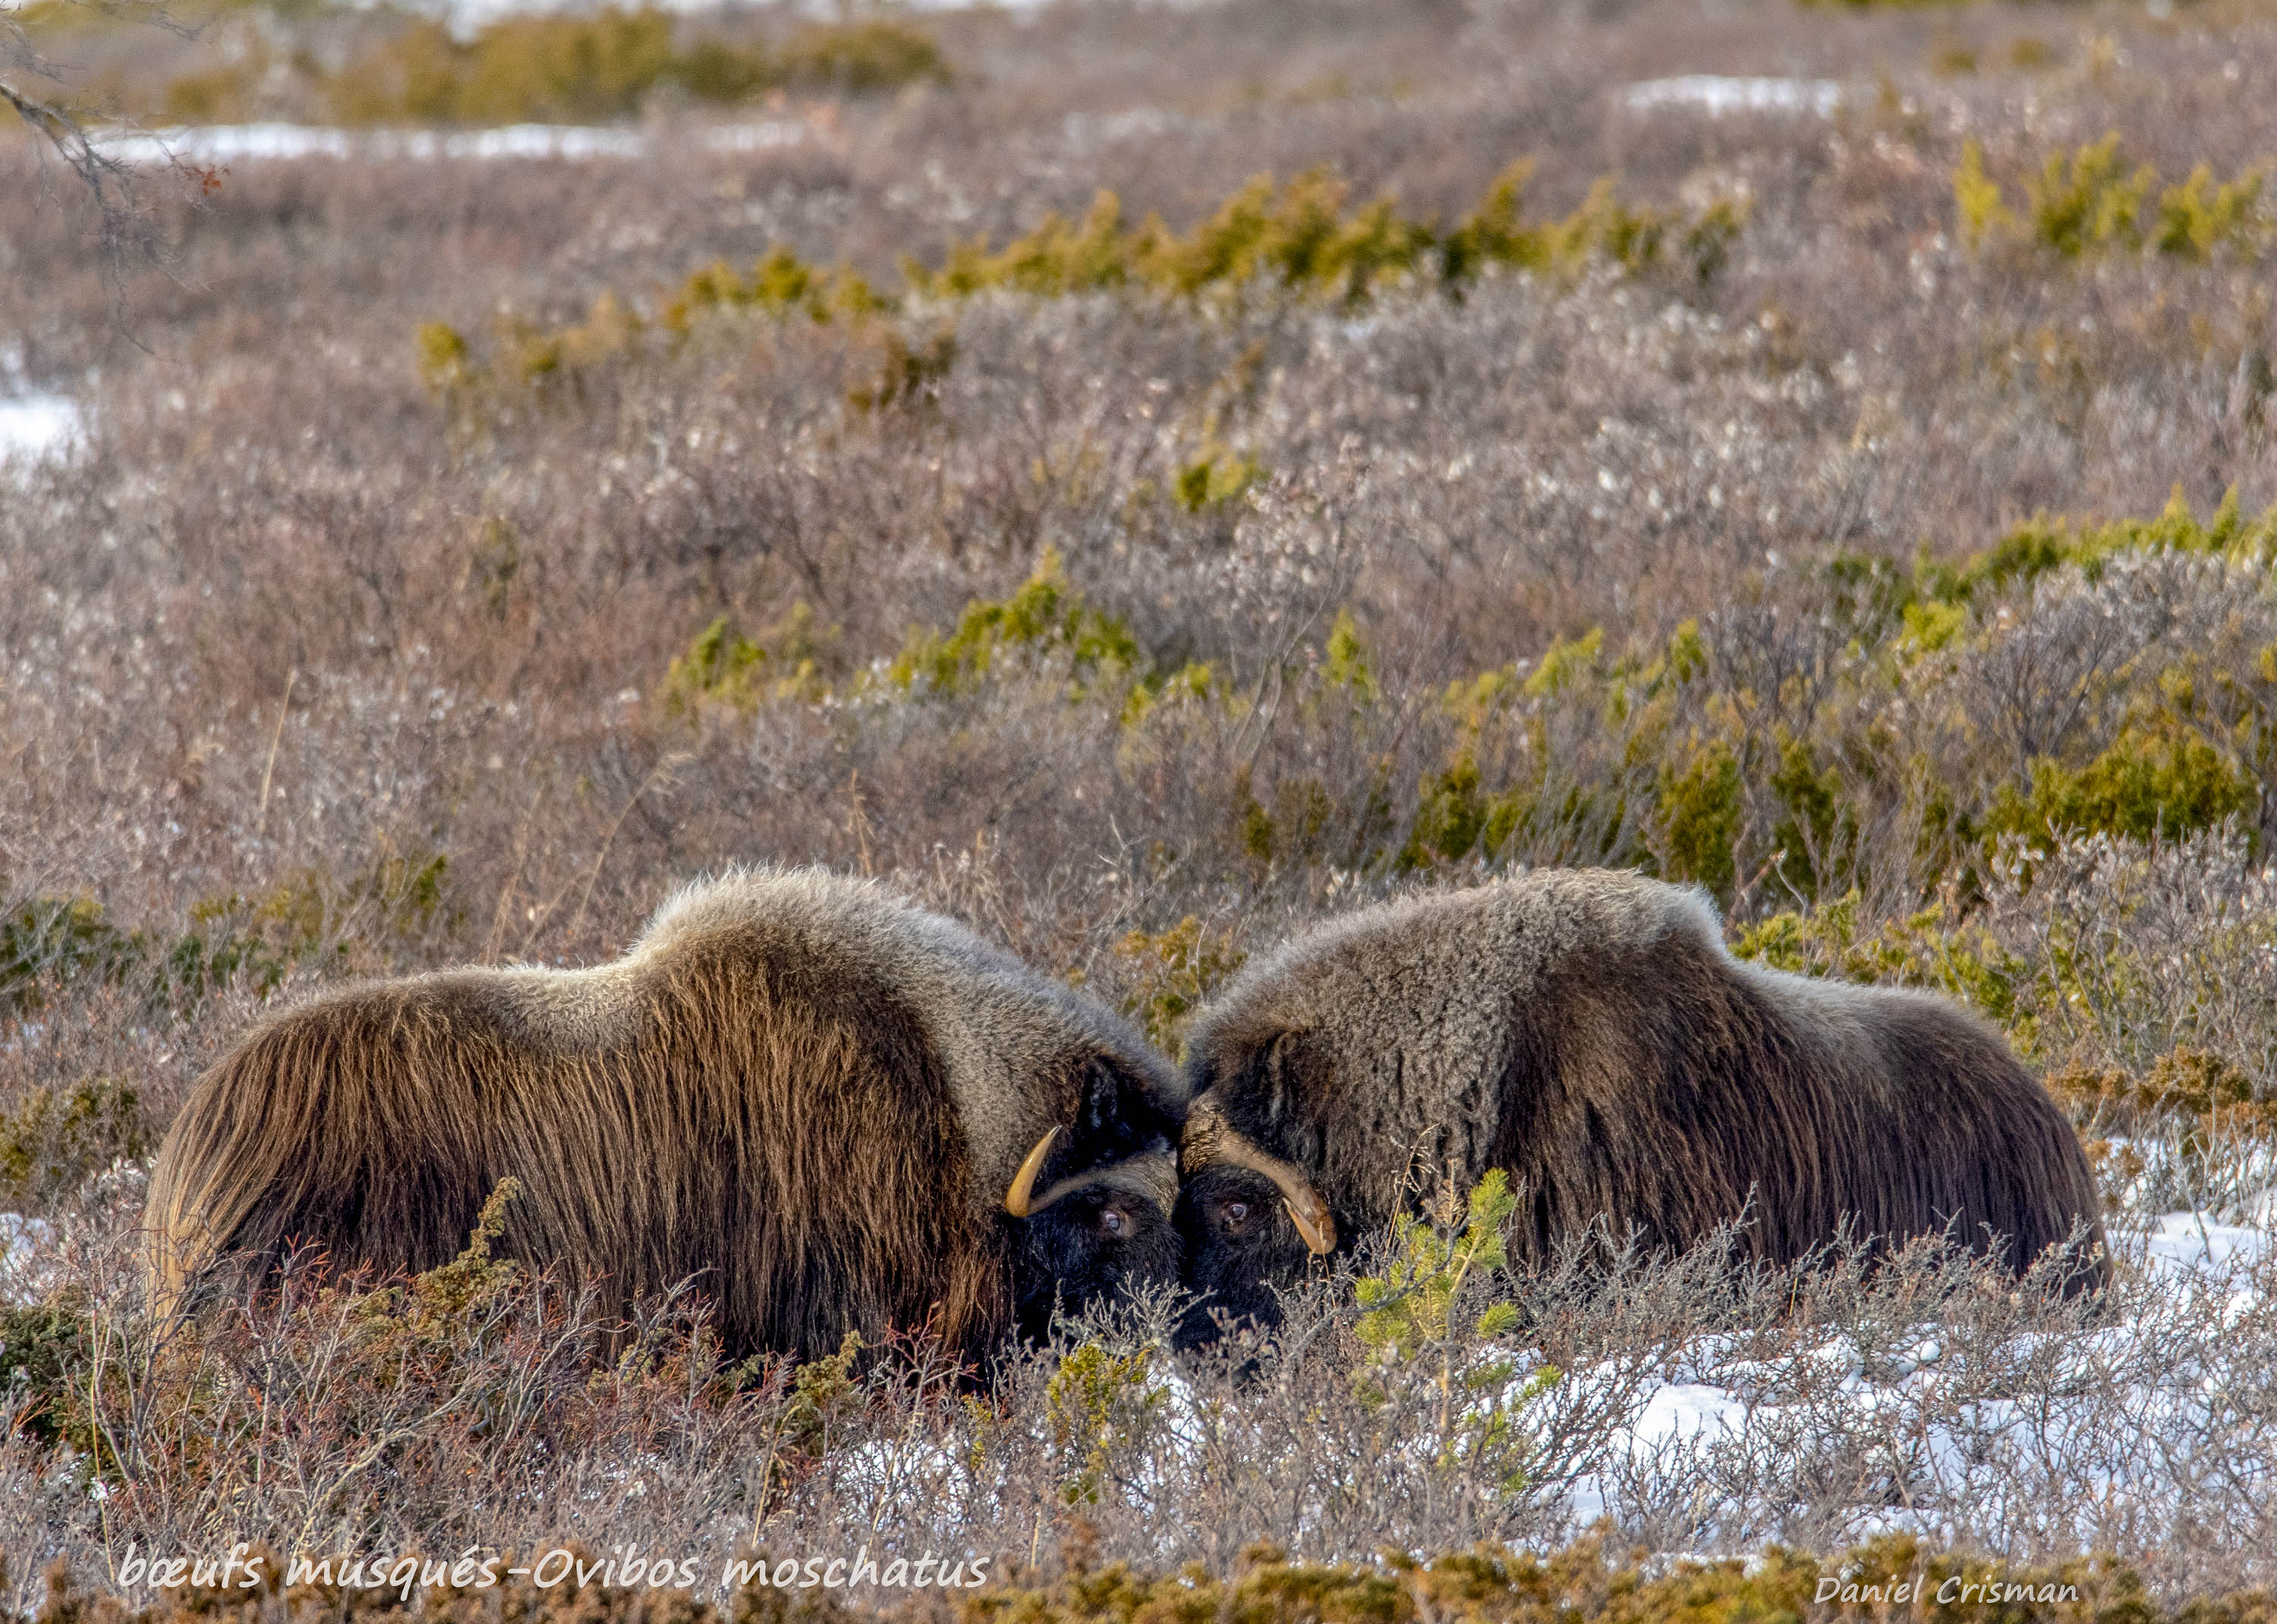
x: 1587, y: 1032
x: 798, y: 1090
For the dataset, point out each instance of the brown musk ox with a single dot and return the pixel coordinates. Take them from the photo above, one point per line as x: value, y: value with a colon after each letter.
x: 1587, y: 1032
x: 833, y: 1110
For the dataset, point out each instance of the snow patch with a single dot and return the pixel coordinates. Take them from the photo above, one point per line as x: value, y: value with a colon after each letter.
x: 22, y: 1242
x: 1716, y: 95
x: 466, y: 18
x: 2185, y: 1241
x: 216, y: 145
x: 34, y: 425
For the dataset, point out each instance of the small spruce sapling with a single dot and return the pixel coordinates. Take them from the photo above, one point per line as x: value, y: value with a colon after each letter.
x: 1410, y: 1320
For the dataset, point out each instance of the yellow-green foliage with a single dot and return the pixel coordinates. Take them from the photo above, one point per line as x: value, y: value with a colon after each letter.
x: 1565, y: 662
x: 2085, y: 204
x: 1096, y: 1402
x: 2197, y: 217
x: 473, y: 1276
x: 1045, y: 615
x: 40, y: 1344
x: 826, y: 1396
x: 220, y: 96
x: 564, y: 68
x: 795, y: 659
x: 1454, y: 818
x: 2163, y: 780
x: 1700, y: 810
x: 1055, y: 259
x: 723, y: 667
x: 1928, y: 949
x: 1634, y: 757
x: 2088, y: 202
x: 1346, y: 666
x: 50, y: 941
x: 1409, y: 1321
x: 1214, y: 478
x: 1298, y: 239
x: 1408, y: 1305
x: 1302, y: 237
x: 1977, y: 197
x: 54, y: 1138
x: 880, y: 53
x: 1173, y: 971
x: 492, y: 563
x: 398, y: 895
x: 600, y: 66
x: 2042, y: 545
x: 1818, y: 827
x: 781, y: 284
x: 1298, y: 827
x: 55, y: 939
x: 1690, y: 794
x: 442, y: 356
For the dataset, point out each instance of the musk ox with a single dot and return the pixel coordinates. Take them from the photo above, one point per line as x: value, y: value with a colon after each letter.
x: 834, y: 1110
x: 1587, y: 1032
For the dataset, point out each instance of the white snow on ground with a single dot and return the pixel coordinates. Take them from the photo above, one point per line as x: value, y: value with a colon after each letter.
x: 1677, y: 1411
x: 467, y: 16
x: 21, y: 1242
x: 1716, y: 95
x: 1921, y: 1411
x: 241, y: 143
x: 33, y: 426
x: 2186, y: 1241
x: 1086, y: 129
x: 1684, y: 1417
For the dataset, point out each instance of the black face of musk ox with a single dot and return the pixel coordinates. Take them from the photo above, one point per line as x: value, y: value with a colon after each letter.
x: 833, y: 1110
x: 1587, y: 1032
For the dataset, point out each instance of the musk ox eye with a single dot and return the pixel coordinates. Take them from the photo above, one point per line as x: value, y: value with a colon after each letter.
x: 1112, y: 1220
x: 1235, y: 1214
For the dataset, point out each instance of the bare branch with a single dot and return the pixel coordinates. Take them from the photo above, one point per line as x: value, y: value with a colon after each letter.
x: 125, y: 225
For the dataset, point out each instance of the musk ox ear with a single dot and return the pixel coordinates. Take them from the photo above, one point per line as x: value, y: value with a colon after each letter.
x: 1265, y: 1083
x: 1119, y: 1116
x: 1281, y: 1076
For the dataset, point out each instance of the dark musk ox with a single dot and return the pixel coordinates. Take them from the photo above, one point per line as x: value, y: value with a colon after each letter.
x: 834, y: 1110
x: 1587, y: 1032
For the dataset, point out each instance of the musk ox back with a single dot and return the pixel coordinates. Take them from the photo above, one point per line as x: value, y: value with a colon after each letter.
x: 832, y: 1108
x: 1587, y: 1032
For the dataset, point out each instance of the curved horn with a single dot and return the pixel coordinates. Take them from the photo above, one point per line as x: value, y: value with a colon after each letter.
x: 1018, y: 1199
x: 1209, y: 1138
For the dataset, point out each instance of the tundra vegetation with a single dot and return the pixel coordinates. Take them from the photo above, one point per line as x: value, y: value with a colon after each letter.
x: 1864, y: 514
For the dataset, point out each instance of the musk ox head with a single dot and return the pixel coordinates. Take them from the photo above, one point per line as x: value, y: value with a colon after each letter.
x: 1092, y: 1202
x: 1250, y: 1222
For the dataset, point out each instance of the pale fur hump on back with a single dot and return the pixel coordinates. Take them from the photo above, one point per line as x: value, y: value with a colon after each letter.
x: 1420, y: 950
x: 994, y: 1022
x: 1414, y: 998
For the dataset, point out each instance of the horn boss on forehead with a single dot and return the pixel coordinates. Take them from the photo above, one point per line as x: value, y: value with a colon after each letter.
x: 1210, y: 1139
x: 1131, y: 1173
